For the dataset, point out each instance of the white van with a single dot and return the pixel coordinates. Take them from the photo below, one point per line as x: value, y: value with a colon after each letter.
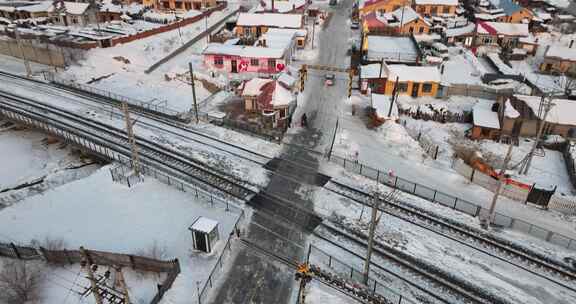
x: 440, y: 50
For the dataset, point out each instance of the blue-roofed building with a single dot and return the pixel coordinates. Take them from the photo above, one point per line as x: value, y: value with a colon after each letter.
x: 510, y: 11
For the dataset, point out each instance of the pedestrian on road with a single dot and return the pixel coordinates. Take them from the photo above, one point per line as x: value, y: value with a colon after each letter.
x: 303, y: 122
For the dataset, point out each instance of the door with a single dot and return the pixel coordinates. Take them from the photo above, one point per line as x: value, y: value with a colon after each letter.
x: 200, y: 241
x: 234, y: 66
x: 258, y: 31
x: 415, y: 89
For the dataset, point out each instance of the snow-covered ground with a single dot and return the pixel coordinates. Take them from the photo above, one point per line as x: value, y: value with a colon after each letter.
x: 103, y: 215
x: 29, y: 158
x: 318, y: 293
x: 496, y: 277
x: 64, y: 284
x: 391, y: 148
x: 128, y: 78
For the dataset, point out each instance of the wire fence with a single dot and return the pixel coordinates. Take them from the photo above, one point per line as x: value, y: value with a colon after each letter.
x: 319, y: 257
x: 453, y: 202
x: 155, y: 106
x: 218, y: 268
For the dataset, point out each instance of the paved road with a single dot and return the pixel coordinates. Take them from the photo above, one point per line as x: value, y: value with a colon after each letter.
x: 282, y: 222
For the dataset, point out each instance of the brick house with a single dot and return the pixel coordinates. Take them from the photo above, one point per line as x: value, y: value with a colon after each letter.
x: 415, y: 81
x: 502, y: 34
x: 179, y: 5
x: 270, y: 100
x: 366, y: 7
x: 559, y: 59
x: 522, y: 116
x: 436, y: 7
x: 401, y: 21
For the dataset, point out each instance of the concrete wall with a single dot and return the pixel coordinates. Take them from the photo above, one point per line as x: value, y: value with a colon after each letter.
x: 36, y: 52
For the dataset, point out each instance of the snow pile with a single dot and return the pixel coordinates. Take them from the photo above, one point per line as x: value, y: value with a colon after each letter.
x: 510, y: 111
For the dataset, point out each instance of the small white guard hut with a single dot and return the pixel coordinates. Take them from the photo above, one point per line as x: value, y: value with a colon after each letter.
x: 204, y: 234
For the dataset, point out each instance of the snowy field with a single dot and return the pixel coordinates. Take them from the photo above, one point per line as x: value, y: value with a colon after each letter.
x: 318, y: 293
x: 103, y: 215
x: 31, y: 164
x: 128, y: 77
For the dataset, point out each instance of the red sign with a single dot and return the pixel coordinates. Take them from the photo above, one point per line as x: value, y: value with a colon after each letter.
x: 280, y: 66
x: 243, y: 66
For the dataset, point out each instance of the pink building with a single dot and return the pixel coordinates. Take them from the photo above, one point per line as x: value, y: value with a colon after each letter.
x: 271, y: 53
x: 240, y: 59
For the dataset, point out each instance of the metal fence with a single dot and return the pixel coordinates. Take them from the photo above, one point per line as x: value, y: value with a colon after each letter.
x: 218, y: 269
x: 158, y: 106
x: 320, y: 258
x: 124, y: 175
x: 435, y: 196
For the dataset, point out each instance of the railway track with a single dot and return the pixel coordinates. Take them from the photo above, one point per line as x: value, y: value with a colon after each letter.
x: 537, y: 264
x: 115, y: 139
x: 179, y: 129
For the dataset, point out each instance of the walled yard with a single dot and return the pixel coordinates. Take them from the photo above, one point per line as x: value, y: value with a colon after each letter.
x: 149, y: 218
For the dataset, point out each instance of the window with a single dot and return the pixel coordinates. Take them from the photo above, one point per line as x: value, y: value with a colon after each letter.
x: 411, y: 30
x: 218, y: 60
x: 382, y: 11
x: 300, y: 42
x: 402, y: 87
x: 487, y: 40
x: 421, y: 9
x: 421, y: 30
x: 271, y: 63
x: 446, y: 10
x: 434, y: 10
x: 254, y: 62
x: 426, y: 87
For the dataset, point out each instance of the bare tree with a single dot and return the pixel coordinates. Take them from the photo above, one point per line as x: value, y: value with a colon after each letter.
x: 49, y: 243
x: 153, y: 251
x: 20, y: 282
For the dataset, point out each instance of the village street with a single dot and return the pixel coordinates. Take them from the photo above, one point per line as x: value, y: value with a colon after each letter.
x: 274, y: 225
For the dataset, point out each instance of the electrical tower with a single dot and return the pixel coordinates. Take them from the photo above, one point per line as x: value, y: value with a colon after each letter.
x: 545, y: 106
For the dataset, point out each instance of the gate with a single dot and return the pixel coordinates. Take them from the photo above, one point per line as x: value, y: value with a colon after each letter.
x: 540, y: 197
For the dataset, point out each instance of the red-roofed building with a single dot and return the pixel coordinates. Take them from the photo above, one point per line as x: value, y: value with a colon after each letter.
x: 269, y: 100
x: 500, y: 33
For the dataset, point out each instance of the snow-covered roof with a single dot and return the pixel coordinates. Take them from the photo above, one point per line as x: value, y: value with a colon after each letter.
x: 270, y: 19
x: 508, y: 6
x: 503, y: 28
x: 203, y: 224
x: 412, y: 73
x: 286, y: 79
x: 44, y: 6
x: 76, y: 8
x: 484, y: 117
x: 500, y: 64
x: 253, y: 87
x: 370, y: 71
x: 282, y: 96
x: 280, y: 6
x: 436, y: 2
x: 400, y: 49
x: 562, y: 111
x: 510, y: 111
x: 382, y: 105
x: 459, y: 31
x: 243, y: 51
x: 562, y: 52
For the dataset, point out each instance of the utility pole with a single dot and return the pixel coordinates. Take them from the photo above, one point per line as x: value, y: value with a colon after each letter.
x: 547, y: 106
x: 333, y: 138
x: 91, y: 278
x: 131, y: 139
x: 394, y: 96
x: 373, y: 224
x: 313, y: 31
x: 122, y: 283
x: 206, y: 25
x: 21, y: 49
x: 492, y: 210
x: 193, y: 90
